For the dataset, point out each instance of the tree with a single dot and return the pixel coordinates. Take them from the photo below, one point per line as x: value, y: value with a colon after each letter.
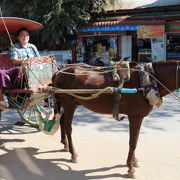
x: 60, y: 18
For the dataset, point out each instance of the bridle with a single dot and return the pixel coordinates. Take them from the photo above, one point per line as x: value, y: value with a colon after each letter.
x: 177, y: 73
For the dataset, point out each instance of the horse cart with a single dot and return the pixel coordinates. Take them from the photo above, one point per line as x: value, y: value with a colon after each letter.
x: 36, y: 72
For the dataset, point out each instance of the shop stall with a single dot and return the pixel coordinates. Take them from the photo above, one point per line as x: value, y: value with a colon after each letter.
x: 151, y: 43
x: 144, y: 39
x: 104, y: 43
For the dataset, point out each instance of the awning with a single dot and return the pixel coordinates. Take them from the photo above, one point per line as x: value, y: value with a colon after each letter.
x: 108, y: 28
x: 119, y: 24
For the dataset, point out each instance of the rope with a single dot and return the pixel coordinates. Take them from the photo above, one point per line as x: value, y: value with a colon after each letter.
x: 6, y: 29
x: 92, y: 96
x: 103, y: 72
x: 105, y: 89
x: 92, y: 67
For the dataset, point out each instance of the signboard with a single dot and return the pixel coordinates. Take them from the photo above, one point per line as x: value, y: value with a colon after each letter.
x: 151, y: 31
x: 158, y: 51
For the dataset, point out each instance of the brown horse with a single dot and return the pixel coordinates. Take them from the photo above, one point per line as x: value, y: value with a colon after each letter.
x: 135, y: 106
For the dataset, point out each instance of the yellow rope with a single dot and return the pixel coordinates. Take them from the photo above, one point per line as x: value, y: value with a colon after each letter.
x: 92, y: 96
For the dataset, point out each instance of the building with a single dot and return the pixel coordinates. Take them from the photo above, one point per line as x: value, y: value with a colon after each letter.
x: 141, y: 30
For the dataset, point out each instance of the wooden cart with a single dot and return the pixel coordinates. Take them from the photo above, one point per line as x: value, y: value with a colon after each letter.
x: 37, y: 72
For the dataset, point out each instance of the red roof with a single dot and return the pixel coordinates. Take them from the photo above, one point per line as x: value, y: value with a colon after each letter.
x: 126, y: 22
x: 13, y: 24
x: 160, y: 20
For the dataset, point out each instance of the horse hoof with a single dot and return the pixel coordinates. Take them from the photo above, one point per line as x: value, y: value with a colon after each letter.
x: 66, y: 149
x: 136, y: 164
x: 74, y: 159
x: 131, y: 174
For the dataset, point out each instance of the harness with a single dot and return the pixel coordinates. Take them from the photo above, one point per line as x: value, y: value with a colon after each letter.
x: 120, y: 75
x: 151, y: 90
x: 148, y: 82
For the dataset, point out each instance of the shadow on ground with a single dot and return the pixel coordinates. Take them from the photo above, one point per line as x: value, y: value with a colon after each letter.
x: 23, y: 160
x: 166, y: 112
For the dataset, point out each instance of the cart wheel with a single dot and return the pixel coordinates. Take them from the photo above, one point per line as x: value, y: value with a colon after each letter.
x: 32, y: 115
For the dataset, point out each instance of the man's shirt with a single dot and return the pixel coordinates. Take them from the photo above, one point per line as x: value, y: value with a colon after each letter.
x: 18, y: 51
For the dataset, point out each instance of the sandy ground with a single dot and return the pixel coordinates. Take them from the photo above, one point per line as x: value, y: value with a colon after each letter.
x: 102, y: 145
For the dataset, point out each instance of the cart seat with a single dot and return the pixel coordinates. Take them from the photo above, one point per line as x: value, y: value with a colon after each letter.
x: 5, y: 61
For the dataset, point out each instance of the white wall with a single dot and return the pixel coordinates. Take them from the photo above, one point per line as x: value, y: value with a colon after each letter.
x: 126, y: 47
x: 60, y: 55
x: 132, y: 4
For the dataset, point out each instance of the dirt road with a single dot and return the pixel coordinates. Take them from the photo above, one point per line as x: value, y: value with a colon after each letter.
x: 102, y: 145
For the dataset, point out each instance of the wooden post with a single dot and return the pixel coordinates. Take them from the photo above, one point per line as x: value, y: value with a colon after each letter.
x: 118, y: 48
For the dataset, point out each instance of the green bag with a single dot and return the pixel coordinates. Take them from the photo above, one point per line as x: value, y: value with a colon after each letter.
x: 50, y: 127
x: 48, y: 124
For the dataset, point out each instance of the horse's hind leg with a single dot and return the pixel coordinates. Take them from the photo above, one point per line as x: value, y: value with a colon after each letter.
x: 135, y: 124
x: 58, y: 110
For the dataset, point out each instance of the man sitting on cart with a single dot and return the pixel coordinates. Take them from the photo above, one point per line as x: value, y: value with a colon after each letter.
x: 11, y: 78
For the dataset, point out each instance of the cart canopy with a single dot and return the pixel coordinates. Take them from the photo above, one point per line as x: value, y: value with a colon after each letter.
x: 13, y: 24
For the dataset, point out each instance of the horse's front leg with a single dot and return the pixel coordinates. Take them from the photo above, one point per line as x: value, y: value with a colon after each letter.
x: 134, y: 124
x: 70, y: 142
x: 63, y: 134
x: 69, y: 106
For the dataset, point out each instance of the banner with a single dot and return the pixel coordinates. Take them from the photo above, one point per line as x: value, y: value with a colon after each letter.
x: 151, y: 31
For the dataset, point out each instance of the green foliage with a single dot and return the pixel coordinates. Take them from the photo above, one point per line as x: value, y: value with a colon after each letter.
x: 60, y: 18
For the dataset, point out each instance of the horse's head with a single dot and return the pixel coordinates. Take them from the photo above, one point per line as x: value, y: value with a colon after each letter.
x: 167, y: 75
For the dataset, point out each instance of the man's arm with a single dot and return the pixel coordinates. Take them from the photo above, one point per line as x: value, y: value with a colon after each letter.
x: 14, y: 56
